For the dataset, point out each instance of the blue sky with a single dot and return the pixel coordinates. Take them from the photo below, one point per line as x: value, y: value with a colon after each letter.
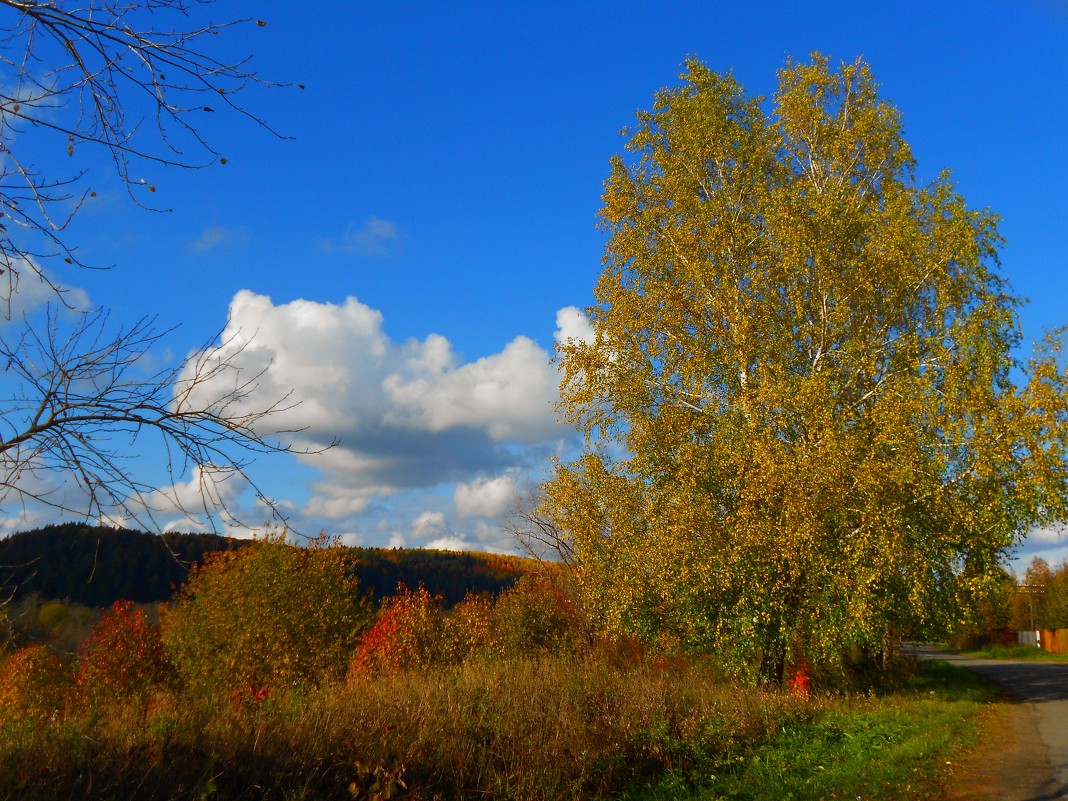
x: 405, y: 254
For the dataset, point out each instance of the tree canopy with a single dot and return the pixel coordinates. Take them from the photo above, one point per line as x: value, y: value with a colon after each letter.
x: 806, y: 426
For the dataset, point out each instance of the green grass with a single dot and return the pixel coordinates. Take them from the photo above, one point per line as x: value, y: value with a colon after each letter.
x: 891, y: 746
x: 1028, y: 652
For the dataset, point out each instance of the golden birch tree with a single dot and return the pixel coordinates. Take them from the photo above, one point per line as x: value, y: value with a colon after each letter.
x: 806, y: 427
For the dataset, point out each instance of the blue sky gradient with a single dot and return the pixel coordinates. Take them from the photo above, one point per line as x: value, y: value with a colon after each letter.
x: 405, y: 252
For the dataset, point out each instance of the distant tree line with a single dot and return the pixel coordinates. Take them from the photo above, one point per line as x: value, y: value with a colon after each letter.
x: 449, y: 574
x: 1036, y: 600
x: 1041, y: 597
x: 98, y: 565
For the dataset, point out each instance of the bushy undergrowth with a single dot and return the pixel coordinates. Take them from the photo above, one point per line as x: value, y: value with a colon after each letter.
x: 245, y: 691
x: 62, y: 625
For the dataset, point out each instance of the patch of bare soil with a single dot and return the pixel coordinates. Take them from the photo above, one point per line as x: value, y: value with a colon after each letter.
x: 1009, y: 763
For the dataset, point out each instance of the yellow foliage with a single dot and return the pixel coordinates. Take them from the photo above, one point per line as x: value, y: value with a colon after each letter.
x: 801, y: 419
x: 35, y: 683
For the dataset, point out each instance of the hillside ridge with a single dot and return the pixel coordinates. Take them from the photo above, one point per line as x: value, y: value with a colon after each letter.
x: 98, y: 565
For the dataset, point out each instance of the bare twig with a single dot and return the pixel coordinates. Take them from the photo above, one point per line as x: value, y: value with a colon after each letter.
x: 82, y: 400
x: 134, y: 77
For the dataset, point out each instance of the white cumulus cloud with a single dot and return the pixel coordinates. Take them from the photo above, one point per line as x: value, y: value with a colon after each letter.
x: 573, y: 324
x: 509, y: 394
x: 27, y: 288
x: 428, y: 524
x: 1057, y: 535
x: 410, y: 416
x: 452, y: 543
x: 485, y: 497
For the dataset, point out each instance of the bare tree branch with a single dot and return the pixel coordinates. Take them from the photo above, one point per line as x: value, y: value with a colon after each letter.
x: 83, y: 399
x: 536, y: 533
x: 134, y: 77
x: 137, y: 80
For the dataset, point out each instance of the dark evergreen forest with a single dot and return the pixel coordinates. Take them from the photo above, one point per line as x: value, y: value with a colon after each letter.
x: 97, y: 565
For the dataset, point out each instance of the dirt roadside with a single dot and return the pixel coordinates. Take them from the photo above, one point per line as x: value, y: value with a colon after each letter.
x: 1022, y: 753
x: 1008, y: 764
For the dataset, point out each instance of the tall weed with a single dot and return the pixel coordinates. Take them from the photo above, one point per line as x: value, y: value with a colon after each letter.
x: 543, y: 727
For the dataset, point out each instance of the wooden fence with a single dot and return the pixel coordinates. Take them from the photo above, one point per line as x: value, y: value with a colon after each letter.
x: 1053, y: 640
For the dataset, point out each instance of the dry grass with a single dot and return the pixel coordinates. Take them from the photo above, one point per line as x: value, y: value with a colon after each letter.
x: 547, y: 727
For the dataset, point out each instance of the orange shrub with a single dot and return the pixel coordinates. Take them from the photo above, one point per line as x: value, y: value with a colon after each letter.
x: 470, y: 629
x: 34, y: 683
x: 412, y: 631
x: 407, y: 633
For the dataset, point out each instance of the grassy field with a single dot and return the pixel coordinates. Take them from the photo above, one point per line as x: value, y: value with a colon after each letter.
x: 1027, y: 652
x: 274, y: 681
x: 549, y: 727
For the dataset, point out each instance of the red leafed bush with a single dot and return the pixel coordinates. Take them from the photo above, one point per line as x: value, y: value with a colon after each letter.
x: 124, y: 658
x: 800, y: 681
x: 407, y: 633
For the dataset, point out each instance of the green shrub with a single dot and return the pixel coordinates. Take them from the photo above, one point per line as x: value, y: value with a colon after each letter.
x: 53, y: 614
x: 270, y: 615
x: 535, y: 616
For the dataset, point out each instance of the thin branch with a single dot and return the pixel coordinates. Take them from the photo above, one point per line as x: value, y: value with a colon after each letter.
x: 81, y: 403
x: 134, y: 77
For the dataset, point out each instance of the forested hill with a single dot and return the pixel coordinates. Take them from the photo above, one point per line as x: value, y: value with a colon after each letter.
x: 96, y: 565
x: 450, y: 574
